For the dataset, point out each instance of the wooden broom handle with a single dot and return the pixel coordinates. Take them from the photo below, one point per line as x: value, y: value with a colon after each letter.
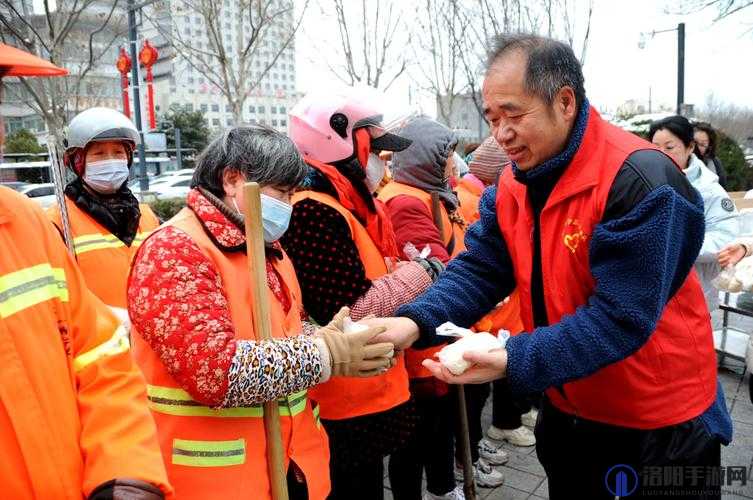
x: 257, y: 270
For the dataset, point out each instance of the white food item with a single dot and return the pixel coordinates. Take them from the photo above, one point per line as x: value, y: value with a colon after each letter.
x: 350, y: 326
x: 451, y: 356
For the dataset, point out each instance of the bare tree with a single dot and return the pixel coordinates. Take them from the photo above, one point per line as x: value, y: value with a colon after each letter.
x: 489, y: 19
x: 723, y: 8
x: 371, y: 41
x: 75, y: 35
x: 231, y: 64
x: 439, y: 46
x: 734, y: 120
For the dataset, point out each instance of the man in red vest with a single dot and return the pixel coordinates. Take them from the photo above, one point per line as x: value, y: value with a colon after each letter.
x: 598, y: 231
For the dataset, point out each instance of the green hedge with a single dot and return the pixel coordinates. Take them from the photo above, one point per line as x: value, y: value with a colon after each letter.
x: 166, y: 208
x: 739, y: 174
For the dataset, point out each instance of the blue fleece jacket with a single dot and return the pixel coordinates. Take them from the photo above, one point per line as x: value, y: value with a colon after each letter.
x: 638, y: 262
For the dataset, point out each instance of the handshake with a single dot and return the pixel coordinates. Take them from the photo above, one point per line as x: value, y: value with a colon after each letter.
x: 362, y: 349
x: 369, y: 349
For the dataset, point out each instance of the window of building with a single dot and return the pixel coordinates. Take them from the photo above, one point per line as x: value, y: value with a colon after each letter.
x: 283, y: 123
x: 189, y: 107
x: 216, y: 122
x: 216, y: 108
x: 273, y: 109
x: 253, y: 121
x: 261, y: 109
x: 267, y: 86
x: 282, y: 110
x: 204, y: 108
x: 252, y: 109
x: 227, y: 108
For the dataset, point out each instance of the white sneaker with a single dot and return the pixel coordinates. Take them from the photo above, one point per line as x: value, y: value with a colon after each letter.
x: 529, y: 419
x: 456, y: 494
x: 494, y: 455
x: 483, y: 473
x: 522, y: 436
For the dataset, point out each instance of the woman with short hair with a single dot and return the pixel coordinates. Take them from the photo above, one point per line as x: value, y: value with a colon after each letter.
x: 207, y: 371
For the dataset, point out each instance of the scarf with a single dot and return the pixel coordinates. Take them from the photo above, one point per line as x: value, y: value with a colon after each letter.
x: 119, y: 212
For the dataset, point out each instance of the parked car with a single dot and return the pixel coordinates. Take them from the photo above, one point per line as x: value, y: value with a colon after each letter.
x: 44, y: 194
x: 176, y: 187
x: 15, y: 185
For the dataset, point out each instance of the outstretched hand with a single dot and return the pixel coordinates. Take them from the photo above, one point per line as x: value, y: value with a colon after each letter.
x: 485, y: 367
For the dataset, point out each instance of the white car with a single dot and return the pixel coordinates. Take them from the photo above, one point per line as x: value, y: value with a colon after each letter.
x: 176, y: 187
x: 44, y: 194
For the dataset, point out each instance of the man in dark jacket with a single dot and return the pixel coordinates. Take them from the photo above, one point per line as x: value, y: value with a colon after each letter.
x: 599, y: 232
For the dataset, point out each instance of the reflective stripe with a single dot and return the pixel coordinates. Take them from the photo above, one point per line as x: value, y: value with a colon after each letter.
x: 209, y: 453
x: 114, y: 345
x: 98, y: 241
x: 31, y: 286
x: 178, y: 402
x: 317, y: 420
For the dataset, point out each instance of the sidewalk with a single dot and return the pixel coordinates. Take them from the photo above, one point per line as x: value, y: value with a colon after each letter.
x: 525, y: 478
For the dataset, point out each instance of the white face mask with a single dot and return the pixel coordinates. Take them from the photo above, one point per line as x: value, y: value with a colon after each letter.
x: 374, y: 172
x: 106, y: 176
x: 275, y: 217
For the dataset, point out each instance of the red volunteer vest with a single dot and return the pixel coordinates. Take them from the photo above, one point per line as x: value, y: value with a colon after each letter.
x: 671, y: 378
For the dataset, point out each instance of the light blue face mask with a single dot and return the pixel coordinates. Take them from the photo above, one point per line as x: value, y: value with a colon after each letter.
x: 275, y: 217
x: 106, y: 176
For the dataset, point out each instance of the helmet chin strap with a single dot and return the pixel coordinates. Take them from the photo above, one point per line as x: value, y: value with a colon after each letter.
x: 363, y: 145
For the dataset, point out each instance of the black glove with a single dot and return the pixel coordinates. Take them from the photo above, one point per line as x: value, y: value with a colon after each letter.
x: 432, y: 265
x: 126, y: 489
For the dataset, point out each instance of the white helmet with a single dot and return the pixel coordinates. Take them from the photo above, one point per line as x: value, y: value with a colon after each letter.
x: 93, y: 125
x: 99, y: 124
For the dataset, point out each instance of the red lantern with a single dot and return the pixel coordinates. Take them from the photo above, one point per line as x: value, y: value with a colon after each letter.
x: 147, y: 57
x: 124, y: 66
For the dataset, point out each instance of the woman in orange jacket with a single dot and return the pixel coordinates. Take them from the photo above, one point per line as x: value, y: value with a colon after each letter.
x: 106, y: 220
x: 207, y: 371
x: 73, y: 417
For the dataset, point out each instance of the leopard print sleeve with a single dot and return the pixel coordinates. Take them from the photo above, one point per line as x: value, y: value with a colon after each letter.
x: 266, y: 370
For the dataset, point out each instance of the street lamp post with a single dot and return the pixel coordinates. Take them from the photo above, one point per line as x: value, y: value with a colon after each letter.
x: 680, y: 67
x: 680, y: 60
x: 132, y: 7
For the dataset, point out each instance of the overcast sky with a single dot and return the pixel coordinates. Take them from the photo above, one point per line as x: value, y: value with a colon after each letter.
x: 718, y: 60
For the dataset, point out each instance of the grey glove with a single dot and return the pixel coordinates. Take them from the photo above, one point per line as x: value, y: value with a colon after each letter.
x: 432, y: 266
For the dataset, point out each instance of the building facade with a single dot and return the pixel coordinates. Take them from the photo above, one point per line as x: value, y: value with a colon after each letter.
x: 270, y: 95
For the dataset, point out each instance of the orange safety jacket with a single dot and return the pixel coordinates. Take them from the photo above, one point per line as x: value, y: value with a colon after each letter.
x: 221, y: 452
x: 506, y: 315
x: 453, y: 235
x: 104, y: 259
x: 469, y: 195
x: 348, y: 397
x: 73, y: 409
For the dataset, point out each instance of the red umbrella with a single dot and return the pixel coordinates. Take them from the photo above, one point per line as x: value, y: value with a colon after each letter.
x: 16, y: 62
